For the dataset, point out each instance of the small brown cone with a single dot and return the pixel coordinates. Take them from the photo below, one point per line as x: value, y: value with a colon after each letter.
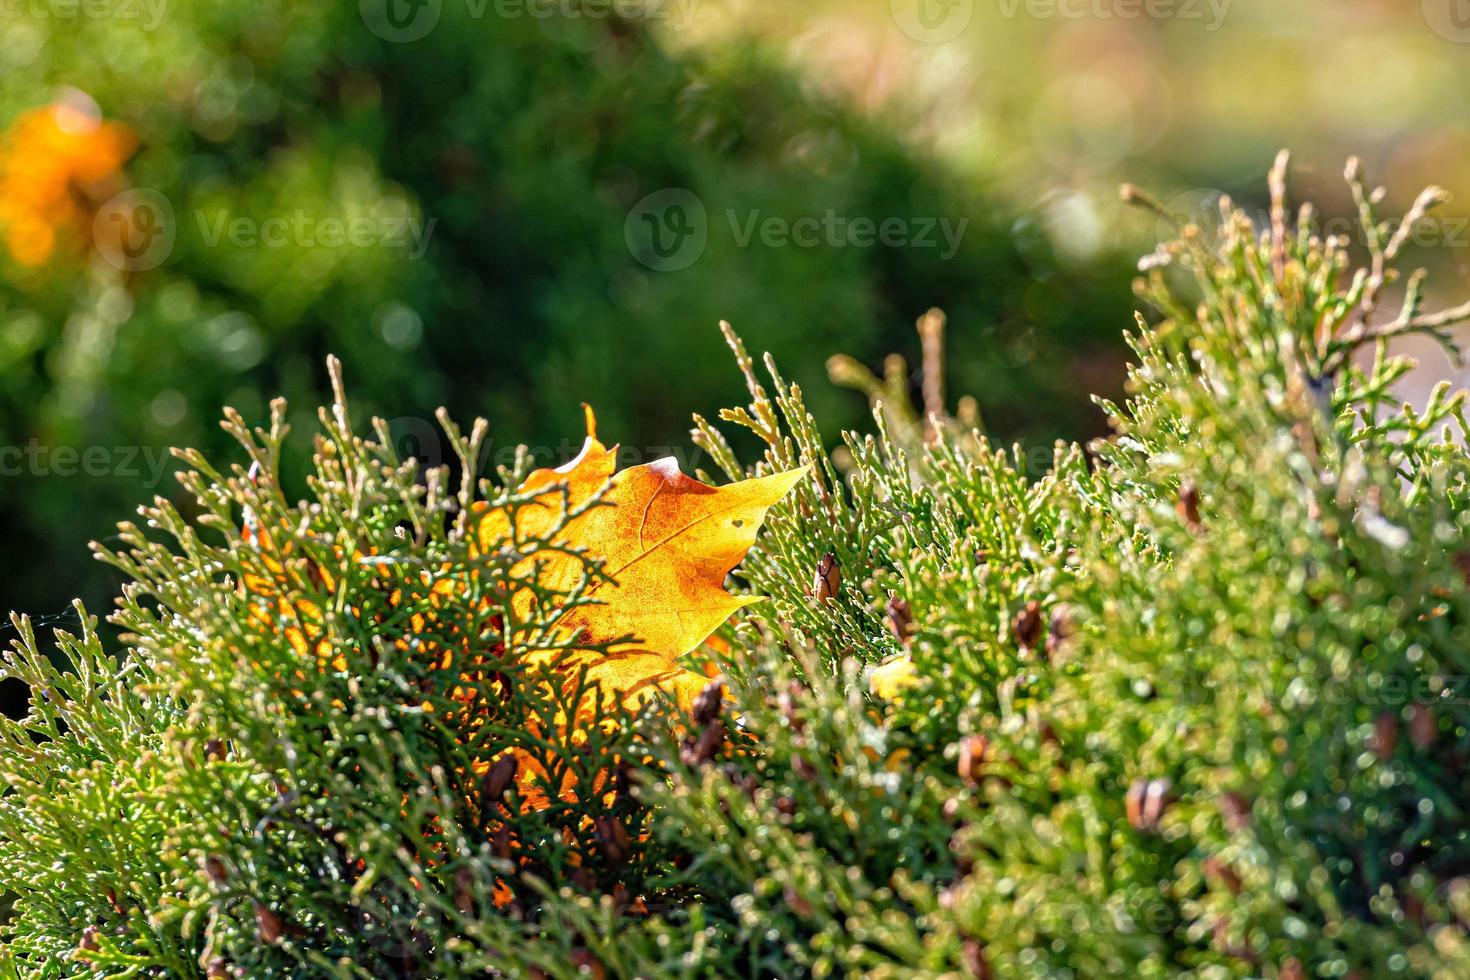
x: 214, y: 869
x: 1385, y: 738
x: 1423, y: 726
x: 1147, y: 802
x: 464, y: 891
x: 972, y: 755
x: 269, y: 924
x: 977, y: 965
x: 1026, y: 627
x: 1222, y: 874
x: 700, y: 749
x: 707, y: 705
x: 612, y: 839
x: 1235, y: 810
x: 498, y: 779
x: 797, y: 904
x: 1188, y: 505
x: 828, y: 581
x: 900, y: 619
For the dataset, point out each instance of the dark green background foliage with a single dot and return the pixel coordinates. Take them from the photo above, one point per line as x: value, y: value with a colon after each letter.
x: 525, y: 142
x: 1190, y: 704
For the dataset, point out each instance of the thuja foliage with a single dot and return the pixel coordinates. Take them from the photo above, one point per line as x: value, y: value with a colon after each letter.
x: 1192, y: 701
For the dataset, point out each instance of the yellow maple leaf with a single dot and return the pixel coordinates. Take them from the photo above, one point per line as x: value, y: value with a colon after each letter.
x: 666, y: 540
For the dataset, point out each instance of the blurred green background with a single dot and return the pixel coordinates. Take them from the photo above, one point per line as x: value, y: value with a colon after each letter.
x: 510, y: 207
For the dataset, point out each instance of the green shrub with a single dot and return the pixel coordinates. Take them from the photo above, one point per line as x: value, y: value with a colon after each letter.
x: 1191, y: 703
